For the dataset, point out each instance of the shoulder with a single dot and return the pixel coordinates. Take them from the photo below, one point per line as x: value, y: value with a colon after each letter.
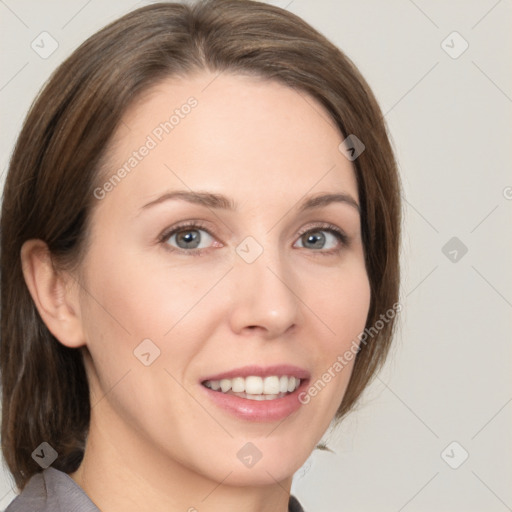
x: 55, y: 491
x: 293, y: 505
x: 52, y: 490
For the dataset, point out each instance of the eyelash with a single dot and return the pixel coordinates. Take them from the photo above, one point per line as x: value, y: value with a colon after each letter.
x: 191, y: 225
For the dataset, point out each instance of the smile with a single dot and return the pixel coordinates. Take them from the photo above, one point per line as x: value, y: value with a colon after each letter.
x: 254, y: 387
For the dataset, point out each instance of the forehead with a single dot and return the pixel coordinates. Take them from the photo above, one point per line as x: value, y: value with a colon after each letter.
x: 243, y: 136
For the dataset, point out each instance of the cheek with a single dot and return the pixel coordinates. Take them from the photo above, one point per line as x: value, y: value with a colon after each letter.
x: 133, y: 297
x: 343, y: 304
x: 132, y: 309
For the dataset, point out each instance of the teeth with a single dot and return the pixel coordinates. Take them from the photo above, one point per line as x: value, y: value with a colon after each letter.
x: 225, y: 385
x: 254, y: 385
x: 291, y: 384
x: 283, y: 384
x: 271, y: 385
x: 261, y: 388
x: 238, y: 384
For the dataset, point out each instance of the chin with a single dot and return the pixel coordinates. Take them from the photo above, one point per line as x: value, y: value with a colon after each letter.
x: 272, y: 462
x: 261, y: 474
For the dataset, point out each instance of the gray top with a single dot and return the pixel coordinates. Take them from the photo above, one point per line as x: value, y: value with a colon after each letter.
x: 52, y: 490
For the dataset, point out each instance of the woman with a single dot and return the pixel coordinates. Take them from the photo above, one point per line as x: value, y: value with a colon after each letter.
x: 200, y: 239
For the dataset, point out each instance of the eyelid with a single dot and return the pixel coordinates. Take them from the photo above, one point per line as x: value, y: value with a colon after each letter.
x: 181, y: 226
x: 321, y: 226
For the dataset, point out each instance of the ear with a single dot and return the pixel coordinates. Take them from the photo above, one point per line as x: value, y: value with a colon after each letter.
x: 55, y: 294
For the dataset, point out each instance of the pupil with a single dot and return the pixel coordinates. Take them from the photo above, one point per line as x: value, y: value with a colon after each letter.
x: 318, y: 236
x: 190, y: 238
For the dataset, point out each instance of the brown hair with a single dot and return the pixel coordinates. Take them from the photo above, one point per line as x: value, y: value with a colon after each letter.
x: 54, y: 169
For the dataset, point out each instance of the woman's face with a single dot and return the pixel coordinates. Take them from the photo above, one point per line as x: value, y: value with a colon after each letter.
x: 265, y: 283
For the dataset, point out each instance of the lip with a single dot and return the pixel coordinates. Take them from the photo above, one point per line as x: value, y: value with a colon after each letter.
x: 261, y: 371
x: 256, y: 410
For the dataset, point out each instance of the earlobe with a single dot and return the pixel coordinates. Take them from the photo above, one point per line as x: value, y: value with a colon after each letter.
x: 56, y: 301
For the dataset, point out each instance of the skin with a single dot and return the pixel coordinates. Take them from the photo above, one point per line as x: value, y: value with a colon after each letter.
x: 156, y: 442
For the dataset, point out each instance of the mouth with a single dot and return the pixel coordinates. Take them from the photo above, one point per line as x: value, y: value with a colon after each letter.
x: 255, y: 387
x: 256, y: 393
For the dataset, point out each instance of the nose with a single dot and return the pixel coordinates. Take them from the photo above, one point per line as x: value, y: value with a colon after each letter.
x: 264, y: 296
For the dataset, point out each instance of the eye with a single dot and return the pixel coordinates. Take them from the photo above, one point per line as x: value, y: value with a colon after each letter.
x: 319, y: 237
x: 190, y: 237
x: 193, y: 238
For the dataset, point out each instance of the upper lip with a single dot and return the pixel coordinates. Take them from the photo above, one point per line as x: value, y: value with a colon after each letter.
x: 261, y: 371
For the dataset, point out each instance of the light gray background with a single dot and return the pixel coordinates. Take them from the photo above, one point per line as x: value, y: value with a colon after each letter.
x: 449, y: 376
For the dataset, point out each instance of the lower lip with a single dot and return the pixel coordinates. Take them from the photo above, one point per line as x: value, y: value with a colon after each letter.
x: 258, y: 410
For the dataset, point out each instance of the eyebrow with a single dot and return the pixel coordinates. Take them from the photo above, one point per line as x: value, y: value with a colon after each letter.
x: 220, y: 201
